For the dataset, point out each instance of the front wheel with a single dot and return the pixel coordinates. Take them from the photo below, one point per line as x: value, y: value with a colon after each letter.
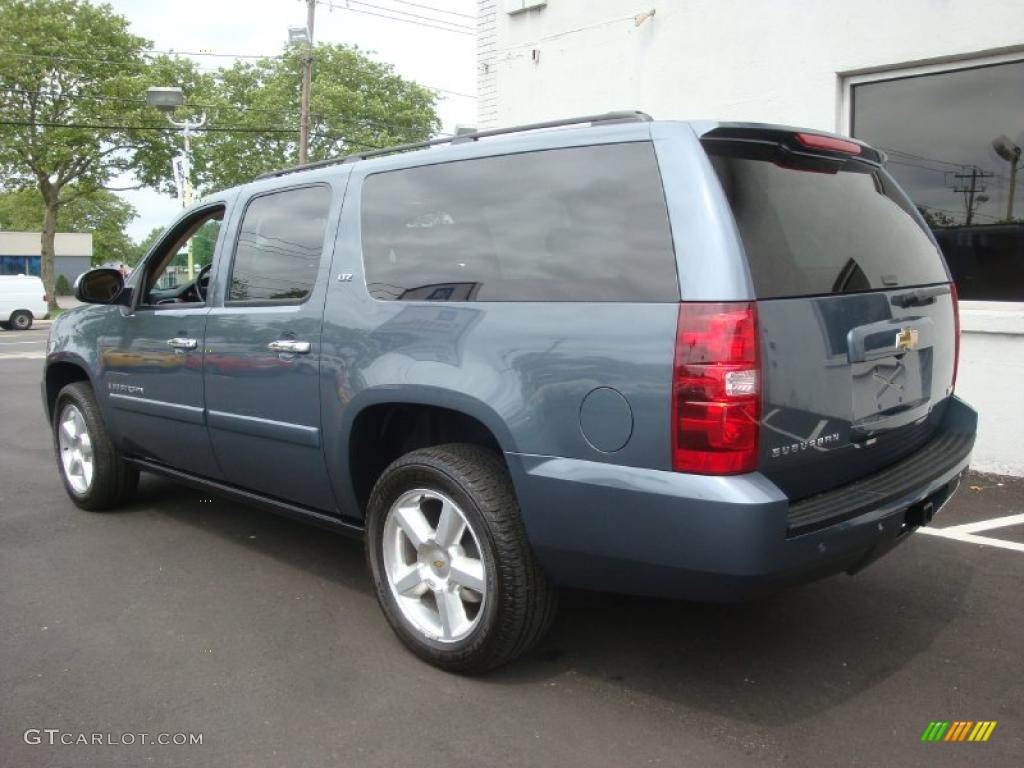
x: 451, y: 564
x: 21, y: 320
x: 94, y: 474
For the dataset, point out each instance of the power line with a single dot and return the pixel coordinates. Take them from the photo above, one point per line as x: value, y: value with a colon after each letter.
x: 966, y: 166
x: 435, y: 8
x: 460, y: 30
x: 59, y: 57
x: 204, y: 129
x: 113, y: 127
x: 431, y: 19
x: 958, y: 213
x: 355, y: 121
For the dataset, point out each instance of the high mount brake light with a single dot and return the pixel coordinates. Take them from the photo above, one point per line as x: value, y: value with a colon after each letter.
x: 817, y: 141
x: 716, y: 389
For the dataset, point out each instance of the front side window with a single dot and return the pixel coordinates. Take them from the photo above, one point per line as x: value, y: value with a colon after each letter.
x: 279, y: 245
x: 178, y: 272
x: 579, y: 224
x: 953, y: 139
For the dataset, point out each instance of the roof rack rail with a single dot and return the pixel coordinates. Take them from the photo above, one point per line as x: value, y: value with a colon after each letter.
x: 608, y: 117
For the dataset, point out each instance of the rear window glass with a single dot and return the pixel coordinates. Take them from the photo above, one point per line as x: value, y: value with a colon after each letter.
x: 823, y: 227
x: 579, y: 224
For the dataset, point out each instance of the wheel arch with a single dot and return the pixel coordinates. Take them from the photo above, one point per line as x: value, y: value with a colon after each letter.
x: 61, y: 371
x: 381, y: 426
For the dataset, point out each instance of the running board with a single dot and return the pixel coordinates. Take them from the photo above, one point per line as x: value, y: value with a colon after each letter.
x: 251, y: 498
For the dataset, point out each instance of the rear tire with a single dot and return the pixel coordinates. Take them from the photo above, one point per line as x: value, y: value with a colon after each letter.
x: 5, y: 326
x: 471, y: 596
x: 94, y: 474
x: 21, y: 320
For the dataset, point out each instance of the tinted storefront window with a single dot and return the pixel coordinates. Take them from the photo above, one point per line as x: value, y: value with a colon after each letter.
x: 19, y: 265
x: 953, y: 140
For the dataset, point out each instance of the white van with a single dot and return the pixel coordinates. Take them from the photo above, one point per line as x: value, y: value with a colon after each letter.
x: 22, y: 300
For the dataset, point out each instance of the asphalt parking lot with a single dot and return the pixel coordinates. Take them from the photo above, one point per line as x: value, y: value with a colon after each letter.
x: 182, y: 614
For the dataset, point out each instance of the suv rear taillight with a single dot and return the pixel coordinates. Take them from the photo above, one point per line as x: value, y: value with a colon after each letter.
x: 956, y: 334
x: 716, y: 389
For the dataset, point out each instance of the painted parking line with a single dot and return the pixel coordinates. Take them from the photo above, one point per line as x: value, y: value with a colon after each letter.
x: 10, y: 343
x: 968, y: 532
x: 24, y: 356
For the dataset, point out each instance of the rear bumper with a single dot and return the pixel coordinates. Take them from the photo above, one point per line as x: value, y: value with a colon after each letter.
x: 651, y: 532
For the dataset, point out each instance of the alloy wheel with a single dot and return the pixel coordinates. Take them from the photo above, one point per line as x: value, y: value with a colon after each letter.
x: 434, y: 566
x: 76, y: 455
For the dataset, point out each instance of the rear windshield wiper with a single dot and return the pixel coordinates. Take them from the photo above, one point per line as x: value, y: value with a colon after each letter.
x: 919, y: 297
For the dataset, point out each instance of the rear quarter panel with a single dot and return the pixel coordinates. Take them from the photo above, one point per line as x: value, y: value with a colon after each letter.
x: 521, y: 368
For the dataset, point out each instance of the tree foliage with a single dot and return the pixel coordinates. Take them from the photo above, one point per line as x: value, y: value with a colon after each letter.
x: 104, y: 214
x: 357, y: 103
x: 142, y: 247
x: 71, y: 80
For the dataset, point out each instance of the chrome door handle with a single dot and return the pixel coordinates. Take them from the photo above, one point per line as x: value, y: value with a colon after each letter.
x: 180, y: 343
x: 287, y: 345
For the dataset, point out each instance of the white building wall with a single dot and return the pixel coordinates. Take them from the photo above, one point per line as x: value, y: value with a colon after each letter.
x: 778, y: 62
x: 28, y: 244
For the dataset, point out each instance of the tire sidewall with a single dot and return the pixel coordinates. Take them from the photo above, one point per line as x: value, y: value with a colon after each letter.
x: 20, y: 321
x: 73, y: 395
x: 394, y: 482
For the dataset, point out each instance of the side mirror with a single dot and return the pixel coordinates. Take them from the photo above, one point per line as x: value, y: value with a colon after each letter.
x: 99, y: 286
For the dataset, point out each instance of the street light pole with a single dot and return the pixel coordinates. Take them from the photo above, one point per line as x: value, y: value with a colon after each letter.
x: 187, y: 127
x: 1010, y: 152
x: 167, y: 99
x: 307, y: 84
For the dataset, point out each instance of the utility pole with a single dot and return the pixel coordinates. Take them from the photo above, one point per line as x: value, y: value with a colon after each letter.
x: 307, y: 84
x: 973, y: 190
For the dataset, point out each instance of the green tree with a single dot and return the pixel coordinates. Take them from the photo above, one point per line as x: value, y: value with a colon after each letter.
x: 357, y: 103
x: 142, y: 247
x: 935, y: 218
x: 72, y: 77
x: 103, y: 214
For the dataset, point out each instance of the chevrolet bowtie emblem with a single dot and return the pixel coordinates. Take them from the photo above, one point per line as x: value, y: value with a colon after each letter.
x: 906, y: 339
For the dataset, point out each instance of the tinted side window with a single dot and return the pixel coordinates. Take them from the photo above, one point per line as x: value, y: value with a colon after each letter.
x: 279, y: 245
x: 579, y: 224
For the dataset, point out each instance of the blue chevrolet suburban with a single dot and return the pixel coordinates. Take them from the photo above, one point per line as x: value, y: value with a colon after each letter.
x: 688, y: 359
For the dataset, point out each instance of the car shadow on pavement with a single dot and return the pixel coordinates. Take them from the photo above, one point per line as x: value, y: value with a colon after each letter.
x: 326, y: 554
x: 775, y: 661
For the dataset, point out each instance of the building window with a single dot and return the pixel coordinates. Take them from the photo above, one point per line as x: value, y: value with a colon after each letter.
x: 19, y: 265
x: 953, y: 138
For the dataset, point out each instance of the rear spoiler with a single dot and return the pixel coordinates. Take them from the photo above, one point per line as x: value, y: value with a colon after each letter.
x: 798, y: 141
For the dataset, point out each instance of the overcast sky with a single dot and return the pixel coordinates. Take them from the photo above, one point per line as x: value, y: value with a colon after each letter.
x: 433, y: 57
